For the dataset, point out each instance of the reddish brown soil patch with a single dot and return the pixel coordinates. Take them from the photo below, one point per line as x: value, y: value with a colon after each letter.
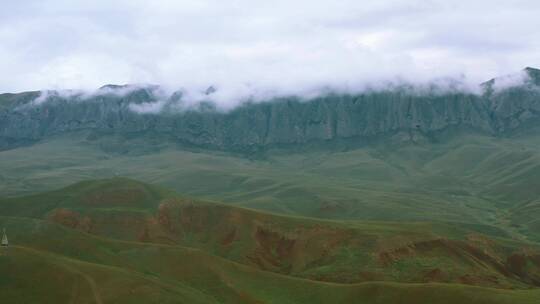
x: 164, y: 217
x: 516, y: 266
x: 195, y: 218
x: 269, y: 244
x: 70, y: 219
x: 519, y: 264
x: 388, y: 257
x: 229, y: 238
x: 435, y: 275
x: 455, y: 249
x: 516, y: 263
x: 273, y: 249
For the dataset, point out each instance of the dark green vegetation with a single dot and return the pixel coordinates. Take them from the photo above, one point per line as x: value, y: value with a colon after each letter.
x: 382, y: 197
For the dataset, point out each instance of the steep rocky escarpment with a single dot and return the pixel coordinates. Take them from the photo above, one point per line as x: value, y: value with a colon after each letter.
x: 285, y: 121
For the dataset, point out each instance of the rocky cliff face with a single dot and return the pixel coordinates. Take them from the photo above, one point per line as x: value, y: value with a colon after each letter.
x: 286, y: 121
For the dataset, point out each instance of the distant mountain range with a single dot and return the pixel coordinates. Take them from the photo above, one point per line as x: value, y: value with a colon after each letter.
x: 507, y: 105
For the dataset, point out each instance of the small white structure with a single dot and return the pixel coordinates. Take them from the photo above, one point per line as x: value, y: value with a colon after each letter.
x: 5, y: 242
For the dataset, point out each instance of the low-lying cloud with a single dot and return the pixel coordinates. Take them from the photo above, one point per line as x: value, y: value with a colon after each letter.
x: 159, y: 99
x: 151, y: 107
x: 511, y: 80
x: 258, y: 50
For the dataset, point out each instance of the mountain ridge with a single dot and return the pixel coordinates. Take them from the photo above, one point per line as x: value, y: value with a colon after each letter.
x: 396, y: 114
x: 282, y: 122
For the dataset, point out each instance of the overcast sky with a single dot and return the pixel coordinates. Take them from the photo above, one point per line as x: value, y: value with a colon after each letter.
x: 266, y: 46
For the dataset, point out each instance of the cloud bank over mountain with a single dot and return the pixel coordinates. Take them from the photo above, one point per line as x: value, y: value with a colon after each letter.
x: 262, y: 49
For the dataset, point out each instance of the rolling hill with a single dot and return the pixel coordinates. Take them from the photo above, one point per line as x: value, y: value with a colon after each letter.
x: 470, y: 179
x: 321, y: 250
x: 51, y: 263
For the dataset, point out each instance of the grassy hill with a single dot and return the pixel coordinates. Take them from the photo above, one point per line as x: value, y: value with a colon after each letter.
x: 322, y: 250
x: 470, y: 179
x: 55, y: 264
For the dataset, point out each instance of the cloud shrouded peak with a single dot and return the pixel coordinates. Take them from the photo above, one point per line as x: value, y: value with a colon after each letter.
x: 261, y: 48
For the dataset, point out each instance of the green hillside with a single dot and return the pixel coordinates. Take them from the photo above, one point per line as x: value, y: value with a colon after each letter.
x: 321, y: 250
x: 470, y: 179
x: 52, y: 264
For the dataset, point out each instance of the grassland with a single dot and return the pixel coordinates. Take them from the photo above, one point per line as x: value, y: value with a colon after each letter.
x: 315, y: 249
x: 54, y: 264
x: 389, y: 223
x: 472, y: 179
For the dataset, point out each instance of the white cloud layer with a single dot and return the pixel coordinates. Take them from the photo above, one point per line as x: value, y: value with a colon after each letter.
x: 261, y: 48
